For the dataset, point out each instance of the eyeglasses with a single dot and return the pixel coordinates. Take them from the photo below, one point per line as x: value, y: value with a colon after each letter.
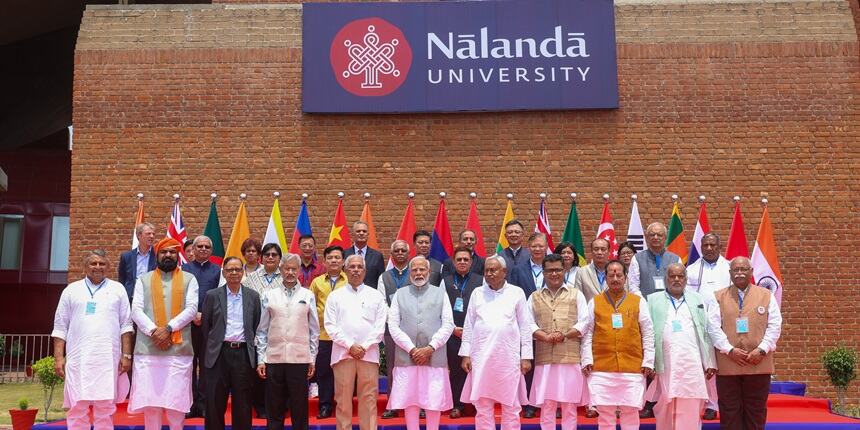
x: 740, y: 269
x: 400, y: 251
x: 627, y: 253
x: 553, y: 270
x: 203, y: 246
x: 233, y: 270
x: 271, y: 254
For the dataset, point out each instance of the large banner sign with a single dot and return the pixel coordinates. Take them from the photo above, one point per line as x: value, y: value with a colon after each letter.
x: 459, y: 56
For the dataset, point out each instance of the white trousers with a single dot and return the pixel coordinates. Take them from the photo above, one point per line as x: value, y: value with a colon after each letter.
x: 606, y: 420
x: 78, y: 417
x: 679, y: 414
x: 547, y: 415
x: 485, y: 418
x: 152, y: 418
x: 413, y: 416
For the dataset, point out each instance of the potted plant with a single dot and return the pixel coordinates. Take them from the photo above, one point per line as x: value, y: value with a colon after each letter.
x: 44, y: 370
x: 841, y: 366
x: 23, y: 417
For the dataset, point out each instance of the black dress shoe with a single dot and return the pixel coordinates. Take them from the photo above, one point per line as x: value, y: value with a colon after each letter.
x: 646, y: 413
x: 194, y: 413
x: 455, y: 413
x: 558, y: 413
x: 389, y: 413
x: 529, y: 412
x: 422, y: 414
x: 591, y: 413
x: 325, y: 412
x: 709, y: 415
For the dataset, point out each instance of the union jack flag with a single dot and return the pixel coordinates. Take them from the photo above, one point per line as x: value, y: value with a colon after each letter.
x: 176, y: 229
x: 542, y: 226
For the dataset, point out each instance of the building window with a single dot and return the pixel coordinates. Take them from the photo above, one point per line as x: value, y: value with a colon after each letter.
x: 11, y: 227
x: 60, y: 244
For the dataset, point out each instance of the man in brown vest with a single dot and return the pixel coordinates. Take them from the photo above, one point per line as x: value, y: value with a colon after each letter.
x: 618, y: 351
x: 744, y: 333
x: 560, y: 314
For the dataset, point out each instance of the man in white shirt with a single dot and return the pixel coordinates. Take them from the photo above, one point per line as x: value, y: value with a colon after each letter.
x: 355, y: 320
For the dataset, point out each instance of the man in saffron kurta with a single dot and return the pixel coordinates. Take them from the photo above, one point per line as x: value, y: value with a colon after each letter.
x: 618, y: 351
x: 164, y: 304
x: 92, y: 330
x: 496, y: 348
x: 745, y: 332
x: 684, y: 357
x: 560, y: 314
x: 420, y: 321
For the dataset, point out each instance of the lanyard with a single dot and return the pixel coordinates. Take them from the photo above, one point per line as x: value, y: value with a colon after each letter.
x: 657, y: 258
x: 460, y: 286
x: 306, y: 272
x: 537, y: 273
x: 611, y: 302
x: 680, y: 303
x: 97, y: 287
x: 601, y: 277
x: 567, y: 276
x: 740, y: 301
x: 333, y: 282
x: 269, y: 281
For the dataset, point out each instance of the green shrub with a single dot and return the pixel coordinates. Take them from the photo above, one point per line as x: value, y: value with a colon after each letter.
x: 23, y: 403
x: 841, y: 365
x: 44, y: 371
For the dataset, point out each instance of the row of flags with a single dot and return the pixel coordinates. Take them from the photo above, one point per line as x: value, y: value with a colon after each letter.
x: 764, y: 256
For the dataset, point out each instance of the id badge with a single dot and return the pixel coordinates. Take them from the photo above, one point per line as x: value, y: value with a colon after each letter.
x: 676, y: 326
x: 658, y: 284
x: 617, y: 322
x: 91, y: 308
x: 743, y: 325
x: 458, y: 304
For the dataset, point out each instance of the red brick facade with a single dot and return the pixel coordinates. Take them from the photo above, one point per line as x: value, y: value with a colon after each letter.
x: 766, y: 107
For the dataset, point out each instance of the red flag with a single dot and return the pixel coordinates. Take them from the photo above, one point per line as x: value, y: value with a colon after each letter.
x: 441, y: 244
x: 407, y: 229
x: 472, y: 223
x: 542, y: 225
x: 737, y: 244
x: 607, y: 231
x: 339, y: 234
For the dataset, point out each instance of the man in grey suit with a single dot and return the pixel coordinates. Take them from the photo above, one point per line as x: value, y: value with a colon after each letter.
x: 591, y: 279
x: 229, y: 322
x: 648, y: 268
x: 421, y: 241
x: 374, y: 263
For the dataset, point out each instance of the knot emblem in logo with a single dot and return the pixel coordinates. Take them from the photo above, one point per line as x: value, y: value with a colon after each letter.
x: 370, y: 57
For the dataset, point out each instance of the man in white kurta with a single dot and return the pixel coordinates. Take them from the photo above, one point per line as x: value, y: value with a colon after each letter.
x: 496, y: 348
x: 163, y: 352
x: 706, y: 276
x: 560, y: 313
x: 355, y: 317
x: 684, y: 357
x: 92, y: 345
x: 618, y: 351
x: 420, y: 321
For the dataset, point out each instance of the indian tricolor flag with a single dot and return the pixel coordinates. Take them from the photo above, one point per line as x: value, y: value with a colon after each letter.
x: 764, y: 261
x: 675, y: 241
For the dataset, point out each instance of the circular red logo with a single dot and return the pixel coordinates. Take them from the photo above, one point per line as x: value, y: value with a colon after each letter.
x: 370, y: 57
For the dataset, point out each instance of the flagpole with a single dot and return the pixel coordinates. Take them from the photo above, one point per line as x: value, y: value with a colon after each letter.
x: 764, y: 202
x: 443, y: 194
x: 304, y: 196
x: 701, y: 200
x: 606, y: 197
x: 340, y: 195
x: 139, y: 196
x: 674, y: 198
x: 510, y: 196
x: 411, y: 195
x: 634, y: 197
x: 573, y: 197
x: 366, y: 196
x: 473, y: 196
x: 276, y: 195
x: 214, y: 196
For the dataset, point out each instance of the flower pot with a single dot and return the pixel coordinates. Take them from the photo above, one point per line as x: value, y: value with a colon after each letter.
x: 23, y: 419
x: 29, y: 371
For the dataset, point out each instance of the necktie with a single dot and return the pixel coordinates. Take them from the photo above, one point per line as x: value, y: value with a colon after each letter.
x: 360, y: 252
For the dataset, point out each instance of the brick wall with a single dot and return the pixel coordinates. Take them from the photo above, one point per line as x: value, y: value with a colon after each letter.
x: 717, y: 98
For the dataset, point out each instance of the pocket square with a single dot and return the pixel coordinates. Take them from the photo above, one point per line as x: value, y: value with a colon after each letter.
x: 701, y: 306
x: 302, y: 302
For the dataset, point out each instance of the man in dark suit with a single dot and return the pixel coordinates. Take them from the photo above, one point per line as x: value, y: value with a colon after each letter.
x: 229, y: 323
x: 467, y: 239
x: 529, y: 277
x: 515, y: 254
x: 421, y: 241
x: 459, y: 286
x: 373, y: 260
x: 137, y: 261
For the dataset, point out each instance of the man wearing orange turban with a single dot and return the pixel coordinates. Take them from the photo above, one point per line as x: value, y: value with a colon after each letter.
x: 164, y: 304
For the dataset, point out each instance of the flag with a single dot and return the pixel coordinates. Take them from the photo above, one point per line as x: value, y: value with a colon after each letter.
x: 241, y: 231
x: 303, y: 227
x: 176, y: 230
x: 472, y: 223
x: 635, y: 234
x: 213, y: 232
x: 275, y: 229
x: 607, y: 231
x: 675, y: 240
x: 542, y: 226
x: 702, y: 228
x: 371, y: 230
x: 573, y: 234
x: 441, y: 244
x: 765, y: 264
x: 509, y: 215
x: 138, y: 220
x: 339, y: 234
x: 407, y: 229
x: 737, y: 244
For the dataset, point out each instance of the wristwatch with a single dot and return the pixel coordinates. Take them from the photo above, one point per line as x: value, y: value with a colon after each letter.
x: 128, y: 356
x: 169, y: 328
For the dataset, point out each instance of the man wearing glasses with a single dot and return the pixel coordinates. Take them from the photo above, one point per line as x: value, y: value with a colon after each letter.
x: 392, y: 280
x: 208, y: 277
